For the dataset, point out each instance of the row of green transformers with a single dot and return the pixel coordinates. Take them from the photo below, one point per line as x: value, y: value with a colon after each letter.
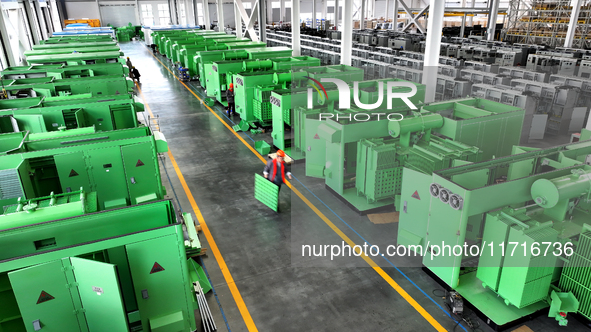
x: 88, y: 241
x: 453, y: 170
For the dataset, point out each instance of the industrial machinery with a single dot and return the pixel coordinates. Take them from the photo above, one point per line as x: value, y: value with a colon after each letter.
x: 541, y: 203
x: 76, y: 49
x: 50, y: 86
x: 76, y: 39
x: 343, y: 152
x: 64, y: 71
x: 76, y: 58
x: 81, y: 205
x: 79, y: 45
x: 221, y: 72
x: 100, y: 113
x: 125, y: 269
x: 177, y: 55
x: 289, y: 108
x: 121, y: 167
x: 253, y: 90
x: 202, y: 61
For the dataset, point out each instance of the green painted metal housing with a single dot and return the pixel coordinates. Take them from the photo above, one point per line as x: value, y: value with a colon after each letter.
x: 424, y: 142
x: 76, y: 39
x: 491, y: 201
x: 63, y: 71
x: 51, y: 87
x: 133, y: 257
x: 102, y: 114
x: 74, y: 49
x: 121, y: 167
x: 77, y: 58
x: 208, y: 57
x: 74, y: 45
x: 223, y: 71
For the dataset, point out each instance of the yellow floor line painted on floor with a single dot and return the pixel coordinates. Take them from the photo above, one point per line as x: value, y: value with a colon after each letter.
x: 212, y: 244
x: 367, y: 259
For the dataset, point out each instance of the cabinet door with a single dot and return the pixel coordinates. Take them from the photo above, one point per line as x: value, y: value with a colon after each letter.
x: 140, y: 172
x: 71, y: 168
x: 44, y: 300
x: 109, y: 177
x: 48, y: 301
x: 100, y: 295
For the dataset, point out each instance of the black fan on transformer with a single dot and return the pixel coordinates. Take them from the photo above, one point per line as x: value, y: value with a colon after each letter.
x: 434, y: 189
x: 444, y: 195
x: 456, y: 202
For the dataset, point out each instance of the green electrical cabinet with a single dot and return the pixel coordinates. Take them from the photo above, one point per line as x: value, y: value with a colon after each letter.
x: 74, y: 45
x: 116, y: 270
x: 41, y: 296
x: 77, y: 58
x: 63, y: 71
x: 73, y: 49
x: 223, y: 71
x: 120, y: 166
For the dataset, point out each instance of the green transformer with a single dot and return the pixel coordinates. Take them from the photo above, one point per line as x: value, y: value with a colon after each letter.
x: 284, y: 103
x: 63, y: 71
x: 103, y: 114
x: 222, y: 72
x: 77, y: 58
x: 423, y: 141
x: 76, y: 39
x: 50, y: 87
x: 117, y: 270
x: 202, y: 61
x: 74, y: 45
x: 525, y: 218
x: 121, y: 166
x: 76, y: 49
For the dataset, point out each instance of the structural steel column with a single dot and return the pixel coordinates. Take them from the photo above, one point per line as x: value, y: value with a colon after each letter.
x: 395, y: 17
x: 362, y: 16
x: 263, y: 20
x: 43, y: 27
x: 238, y: 20
x: 221, y: 25
x: 336, y: 14
x: 387, y: 10
x: 190, y: 12
x: 11, y: 61
x: 313, y: 14
x: 33, y: 23
x: 463, y: 27
x: 206, y: 20
x: 433, y: 45
x: 295, y: 28
x: 347, y: 33
x: 492, y: 19
x: 572, y: 24
x: 473, y: 4
x: 282, y: 11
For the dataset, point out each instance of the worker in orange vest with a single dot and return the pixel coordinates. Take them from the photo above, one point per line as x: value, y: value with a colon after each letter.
x: 230, y: 99
x: 276, y: 169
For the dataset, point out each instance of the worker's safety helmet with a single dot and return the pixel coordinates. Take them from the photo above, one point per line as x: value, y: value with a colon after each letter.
x: 231, y: 86
x: 280, y: 153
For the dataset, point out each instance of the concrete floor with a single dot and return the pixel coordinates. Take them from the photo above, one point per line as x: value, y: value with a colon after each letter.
x: 281, y: 290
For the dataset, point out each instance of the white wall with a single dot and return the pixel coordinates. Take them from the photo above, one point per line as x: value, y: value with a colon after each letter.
x: 82, y: 10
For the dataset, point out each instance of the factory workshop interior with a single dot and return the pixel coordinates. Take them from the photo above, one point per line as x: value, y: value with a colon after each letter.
x: 315, y: 165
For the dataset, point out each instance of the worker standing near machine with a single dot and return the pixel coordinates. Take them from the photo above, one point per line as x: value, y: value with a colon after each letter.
x: 276, y: 169
x: 129, y: 65
x: 230, y: 99
x: 136, y: 74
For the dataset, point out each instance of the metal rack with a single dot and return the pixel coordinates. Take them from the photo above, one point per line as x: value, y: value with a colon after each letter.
x: 546, y: 22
